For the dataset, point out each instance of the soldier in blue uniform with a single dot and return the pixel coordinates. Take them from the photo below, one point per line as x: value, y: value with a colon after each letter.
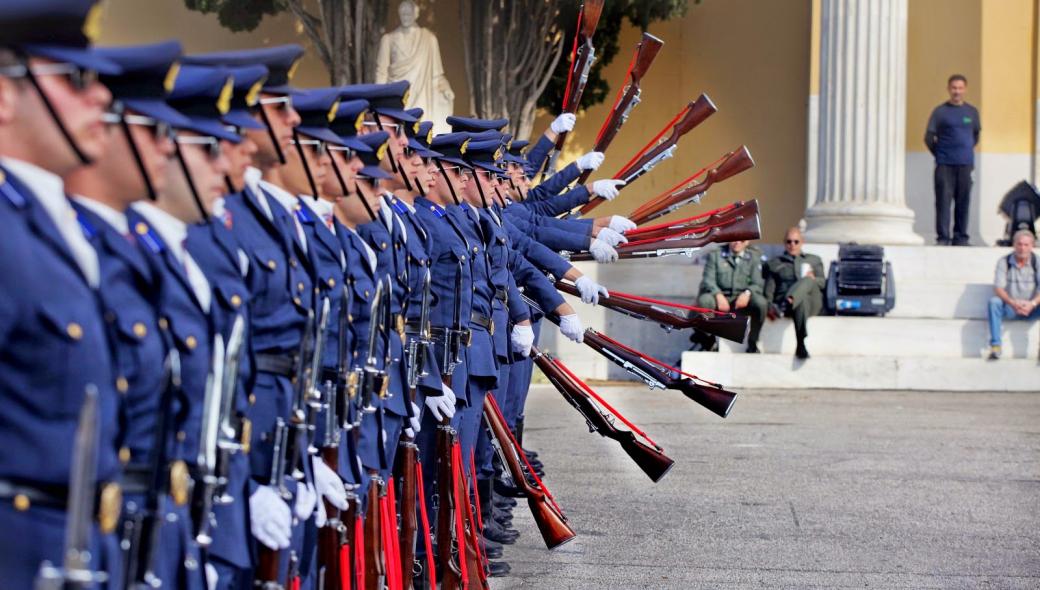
x: 219, y: 254
x: 51, y: 330
x: 280, y: 287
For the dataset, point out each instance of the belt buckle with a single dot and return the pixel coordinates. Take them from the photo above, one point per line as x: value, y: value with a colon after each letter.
x: 467, y: 337
x: 180, y: 482
x: 110, y: 504
x: 400, y: 325
x: 246, y: 434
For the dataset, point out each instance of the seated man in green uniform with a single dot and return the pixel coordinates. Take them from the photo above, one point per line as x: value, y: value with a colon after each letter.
x: 733, y: 282
x: 794, y: 286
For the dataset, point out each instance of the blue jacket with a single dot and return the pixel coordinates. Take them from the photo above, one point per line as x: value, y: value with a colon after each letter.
x: 480, y: 355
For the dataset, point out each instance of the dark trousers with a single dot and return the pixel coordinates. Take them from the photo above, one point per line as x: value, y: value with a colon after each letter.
x: 952, y: 191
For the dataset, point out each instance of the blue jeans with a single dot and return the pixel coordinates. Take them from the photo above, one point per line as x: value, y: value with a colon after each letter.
x: 1000, y: 311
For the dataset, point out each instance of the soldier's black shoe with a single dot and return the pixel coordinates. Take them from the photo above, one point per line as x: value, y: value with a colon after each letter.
x: 801, y: 352
x: 502, y: 516
x: 494, y: 532
x: 504, y: 489
x: 497, y: 569
x: 752, y: 347
x: 492, y: 549
x: 505, y: 502
x: 531, y: 455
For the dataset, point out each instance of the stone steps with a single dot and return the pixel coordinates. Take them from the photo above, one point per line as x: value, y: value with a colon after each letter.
x: 782, y: 371
x: 893, y: 336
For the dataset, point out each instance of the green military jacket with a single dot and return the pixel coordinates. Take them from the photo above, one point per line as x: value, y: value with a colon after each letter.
x: 783, y: 271
x: 730, y: 274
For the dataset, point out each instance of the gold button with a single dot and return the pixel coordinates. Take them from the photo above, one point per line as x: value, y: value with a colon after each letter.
x: 332, y: 282
x: 181, y: 435
x: 74, y: 330
x: 121, y: 384
x: 236, y: 300
x: 382, y: 245
x: 350, y: 317
x: 474, y: 249
x: 355, y: 354
x: 141, y: 228
x: 299, y: 286
x: 271, y: 264
x: 191, y: 342
x: 124, y: 455
x: 366, y: 292
x: 252, y: 398
x: 21, y: 502
x: 464, y: 259
x: 297, y: 301
x: 140, y: 330
x: 164, y: 323
x: 292, y: 262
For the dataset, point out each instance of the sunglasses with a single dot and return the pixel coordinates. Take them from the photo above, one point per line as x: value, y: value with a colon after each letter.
x: 319, y: 147
x: 212, y: 144
x: 79, y: 78
x: 347, y: 152
x: 160, y: 129
x: 443, y: 170
x: 393, y: 128
x: 793, y: 241
x: 282, y: 103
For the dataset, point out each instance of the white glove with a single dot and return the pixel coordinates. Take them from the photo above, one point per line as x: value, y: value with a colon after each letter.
x: 621, y: 224
x: 269, y: 518
x: 522, y: 338
x: 602, y: 252
x: 611, y: 237
x: 413, y: 421
x: 590, y: 161
x: 570, y: 326
x: 607, y: 188
x: 329, y: 485
x: 442, y: 406
x: 211, y: 576
x: 590, y: 290
x: 564, y: 122
x: 306, y: 500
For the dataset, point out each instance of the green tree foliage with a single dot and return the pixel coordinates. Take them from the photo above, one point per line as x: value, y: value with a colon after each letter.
x: 640, y: 13
x: 237, y: 15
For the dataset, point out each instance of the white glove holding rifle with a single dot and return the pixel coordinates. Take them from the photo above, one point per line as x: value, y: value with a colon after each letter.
x: 602, y: 252
x: 563, y: 123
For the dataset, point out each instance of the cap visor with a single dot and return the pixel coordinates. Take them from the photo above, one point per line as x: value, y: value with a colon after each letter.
x: 242, y: 119
x: 86, y: 58
x: 211, y: 127
x: 355, y: 144
x: 320, y: 133
x: 158, y: 110
x: 374, y: 172
x: 456, y: 162
x: 397, y: 114
x: 489, y: 166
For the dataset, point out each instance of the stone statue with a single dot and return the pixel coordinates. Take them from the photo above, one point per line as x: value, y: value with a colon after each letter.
x: 412, y: 53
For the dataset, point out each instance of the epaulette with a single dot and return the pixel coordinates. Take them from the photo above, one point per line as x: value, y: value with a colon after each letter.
x: 437, y: 210
x: 148, y: 236
x: 302, y: 214
x: 398, y: 206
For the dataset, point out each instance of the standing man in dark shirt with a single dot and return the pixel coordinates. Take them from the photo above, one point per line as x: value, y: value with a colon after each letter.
x: 953, y: 131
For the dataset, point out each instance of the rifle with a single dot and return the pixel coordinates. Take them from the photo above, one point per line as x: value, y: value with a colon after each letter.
x: 583, y: 55
x: 628, y: 96
x: 686, y: 242
x: 266, y: 576
x: 725, y: 325
x: 552, y: 524
x: 649, y: 456
x: 679, y: 196
x: 375, y: 572
x: 208, y: 477
x: 715, y: 217
x: 75, y: 572
x: 655, y: 151
x: 370, y: 377
x: 141, y: 530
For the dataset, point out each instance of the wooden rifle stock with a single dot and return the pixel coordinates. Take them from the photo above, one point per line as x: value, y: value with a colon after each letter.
x: 447, y: 563
x: 721, y: 216
x: 375, y: 570
x: 724, y: 325
x: 654, y: 463
x: 735, y: 162
x: 330, y: 536
x: 715, y: 399
x: 646, y: 52
x: 695, y: 114
x: 407, y: 460
x: 551, y: 524
x: 266, y: 576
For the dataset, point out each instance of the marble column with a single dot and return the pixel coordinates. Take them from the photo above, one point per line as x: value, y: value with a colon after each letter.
x: 861, y: 139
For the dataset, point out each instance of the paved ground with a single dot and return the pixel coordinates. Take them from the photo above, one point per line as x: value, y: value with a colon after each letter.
x: 814, y: 489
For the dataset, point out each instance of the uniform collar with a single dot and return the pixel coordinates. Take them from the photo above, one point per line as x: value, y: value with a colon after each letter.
x: 252, y: 179
x: 173, y: 231
x: 45, y: 185
x: 284, y: 197
x: 117, y: 219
